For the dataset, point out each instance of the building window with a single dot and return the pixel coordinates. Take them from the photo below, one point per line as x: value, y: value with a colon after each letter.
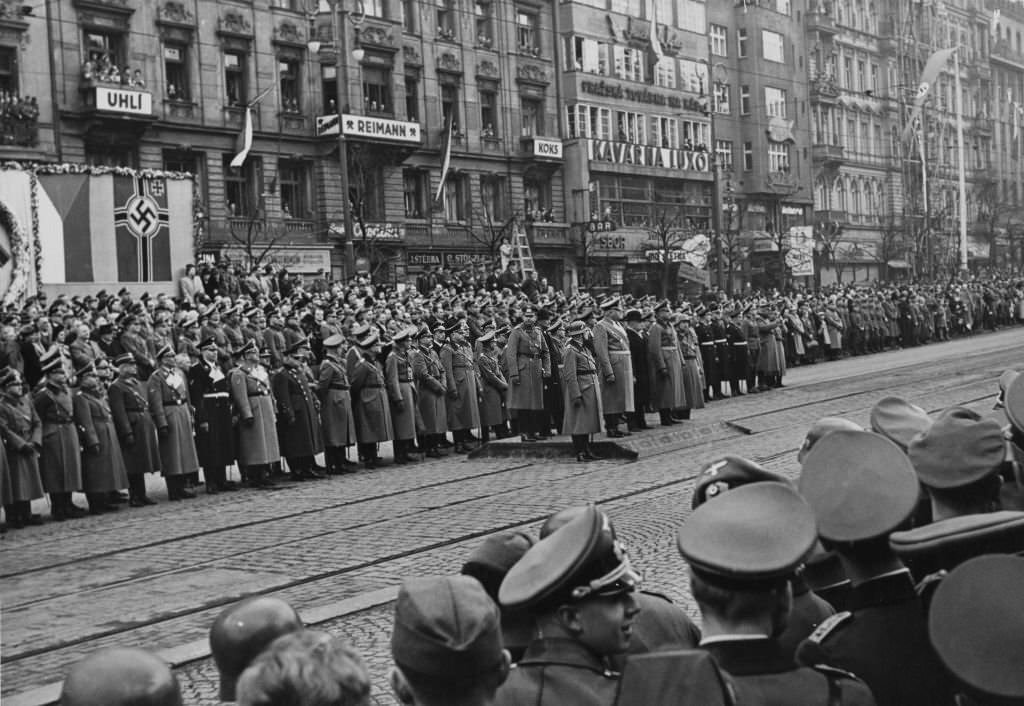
x: 778, y: 156
x: 494, y: 196
x: 450, y: 106
x: 412, y: 98
x: 329, y: 87
x: 9, y: 71
x: 722, y: 98
x: 192, y: 162
x: 665, y: 73
x: 240, y: 186
x: 293, y: 182
x: 377, y: 91
x: 527, y: 36
x: 456, y: 198
x: 176, y: 83
x: 775, y: 101
x: 693, y: 76
x: 848, y: 73
x: 630, y: 64
x: 446, y: 20
x: 415, y: 186
x: 374, y: 8
x: 489, y: 113
x: 410, y: 14
x: 664, y: 132
x: 537, y: 199
x: 719, y: 43
x: 484, y: 10
x: 531, y: 111
x: 741, y: 43
x: 723, y: 153
x: 288, y: 73
x: 748, y: 156
x: 772, y: 46
x: 369, y: 192
x: 861, y: 77
x: 630, y: 127
x: 235, y: 89
x: 105, y: 155
x: 744, y: 100
x: 105, y: 55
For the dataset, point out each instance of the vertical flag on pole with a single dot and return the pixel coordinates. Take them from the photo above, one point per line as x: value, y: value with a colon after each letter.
x: 936, y: 62
x: 994, y: 26
x: 656, y: 49
x: 446, y: 162
x: 243, y: 143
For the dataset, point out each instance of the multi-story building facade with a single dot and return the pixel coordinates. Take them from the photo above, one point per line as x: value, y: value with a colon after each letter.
x: 28, y: 118
x: 1002, y: 209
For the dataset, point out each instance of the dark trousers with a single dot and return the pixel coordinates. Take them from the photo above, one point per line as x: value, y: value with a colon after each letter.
x: 137, y: 485
x: 368, y: 451
x: 580, y: 442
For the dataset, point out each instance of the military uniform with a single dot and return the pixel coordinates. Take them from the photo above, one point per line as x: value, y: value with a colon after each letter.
x: 398, y: 374
x: 339, y: 427
x: 641, y: 375
x: 298, y: 419
x: 209, y: 390
x: 257, y: 445
x: 493, y: 388
x: 140, y: 448
x: 709, y: 358
x: 611, y: 350
x: 171, y: 410
x: 666, y: 371
x: 582, y: 395
x: 21, y: 429
x: 431, y: 389
x: 529, y: 362
x: 461, y: 378
x: 103, y: 468
x: 60, y: 463
x: 371, y: 407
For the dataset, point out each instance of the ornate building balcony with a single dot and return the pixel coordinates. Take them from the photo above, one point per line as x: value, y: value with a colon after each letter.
x: 824, y: 90
x: 828, y: 155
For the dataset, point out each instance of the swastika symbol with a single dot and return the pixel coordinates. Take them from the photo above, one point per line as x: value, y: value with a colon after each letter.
x: 141, y: 213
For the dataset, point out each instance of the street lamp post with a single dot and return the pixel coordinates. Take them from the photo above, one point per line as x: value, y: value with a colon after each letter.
x: 340, y: 71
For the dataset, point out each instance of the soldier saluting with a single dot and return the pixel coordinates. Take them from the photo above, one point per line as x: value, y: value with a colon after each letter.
x: 209, y: 389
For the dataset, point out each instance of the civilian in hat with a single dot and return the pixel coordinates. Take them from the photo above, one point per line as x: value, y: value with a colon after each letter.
x: 582, y: 394
x: 862, y: 487
x: 529, y: 363
x: 257, y: 445
x: 242, y: 631
x: 401, y: 386
x: 493, y: 388
x: 461, y: 377
x: 170, y: 407
x: 665, y: 366
x: 975, y: 624
x: 305, y: 668
x: 121, y: 676
x: 132, y: 341
x: 742, y: 549
x: 447, y: 644
x: 636, y: 334
x: 60, y: 463
x: 209, y: 390
x: 431, y: 388
x: 337, y: 422
x: 103, y: 469
x: 140, y: 448
x: 21, y: 429
x: 580, y: 587
x: 615, y: 367
x: 298, y: 419
x: 370, y: 401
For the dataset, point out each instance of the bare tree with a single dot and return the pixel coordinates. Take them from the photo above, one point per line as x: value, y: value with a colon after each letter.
x: 892, y: 243
x: 831, y: 236
x: 256, y: 237
x: 731, y: 244
x: 667, y: 231
x: 486, y: 230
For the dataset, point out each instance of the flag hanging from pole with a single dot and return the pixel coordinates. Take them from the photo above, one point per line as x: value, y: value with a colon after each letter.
x: 994, y: 26
x: 243, y: 143
x: 446, y: 162
x: 936, y: 62
x: 656, y: 49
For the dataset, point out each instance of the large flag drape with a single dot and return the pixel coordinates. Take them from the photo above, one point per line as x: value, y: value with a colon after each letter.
x: 243, y: 143
x: 936, y: 62
x: 446, y: 161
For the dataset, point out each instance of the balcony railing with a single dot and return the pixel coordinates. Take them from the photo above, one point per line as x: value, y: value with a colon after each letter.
x: 1002, y: 51
x: 821, y: 22
x: 827, y: 154
x: 824, y: 89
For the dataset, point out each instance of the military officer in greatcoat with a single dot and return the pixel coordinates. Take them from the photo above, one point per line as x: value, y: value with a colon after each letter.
x: 637, y: 335
x: 140, y: 447
x: 298, y: 415
x: 582, y: 394
x: 611, y: 348
x: 665, y: 365
x: 736, y: 336
x: 209, y: 390
x: 273, y: 336
x: 370, y: 401
x: 399, y: 378
x: 493, y: 388
x: 257, y: 445
x: 60, y: 463
x: 339, y: 427
x: 463, y: 385
x: 708, y: 353
x: 22, y: 435
x: 529, y: 362
x: 431, y: 390
x: 103, y: 469
x: 171, y: 409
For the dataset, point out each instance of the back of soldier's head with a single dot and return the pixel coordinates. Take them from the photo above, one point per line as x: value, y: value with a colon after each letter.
x: 305, y: 668
x: 242, y: 631
x: 121, y: 677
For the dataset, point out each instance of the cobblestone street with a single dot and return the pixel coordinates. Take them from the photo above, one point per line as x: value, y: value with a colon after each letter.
x: 337, y: 548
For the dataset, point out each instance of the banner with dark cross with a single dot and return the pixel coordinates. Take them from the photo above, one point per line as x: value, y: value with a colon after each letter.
x: 142, y: 237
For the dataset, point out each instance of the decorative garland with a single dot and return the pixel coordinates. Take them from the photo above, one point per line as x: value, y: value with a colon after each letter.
x: 19, y: 270
x: 47, y: 168
x: 37, y: 246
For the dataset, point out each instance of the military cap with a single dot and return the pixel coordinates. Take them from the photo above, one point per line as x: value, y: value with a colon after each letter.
x: 402, y: 335
x: 648, y: 315
x: 297, y: 346
x: 612, y: 302
x: 423, y: 332
x: 371, y: 340
x: 10, y: 376
x: 360, y: 330
x: 191, y: 318
x: 727, y: 473
x: 486, y: 337
x: 859, y: 484
x: 820, y: 428
x: 334, y: 340
x: 124, y: 359
x: 121, y: 676
x: 242, y: 631
x: 247, y: 347
x: 580, y: 560
x: 634, y: 315
x: 544, y: 314
x: 81, y: 371
x: 446, y: 626
x: 504, y: 331
x: 959, y: 449
x: 584, y: 313
x: 165, y: 350
x: 102, y: 294
x: 208, y: 342
x: 51, y: 361
x: 758, y: 533
x: 576, y: 328
x: 899, y: 420
x: 701, y: 310
x: 122, y: 292
x: 977, y: 627
x: 530, y: 307
x: 663, y: 304
x: 1014, y: 403
x: 497, y: 554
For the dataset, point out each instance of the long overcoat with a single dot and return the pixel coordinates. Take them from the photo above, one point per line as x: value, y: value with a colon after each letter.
x: 693, y: 386
x: 250, y: 393
x: 579, y: 382
x: 129, y: 405
x: 398, y: 375
x: 370, y: 403
x: 461, y: 377
x: 209, y: 390
x: 60, y: 462
x: 529, y: 362
x: 339, y: 426
x: 103, y: 470
x: 432, y: 386
x: 171, y: 409
x: 22, y: 429
x: 641, y: 373
x: 492, y: 390
x: 768, y: 359
x: 666, y: 368
x: 611, y: 349
x: 298, y: 419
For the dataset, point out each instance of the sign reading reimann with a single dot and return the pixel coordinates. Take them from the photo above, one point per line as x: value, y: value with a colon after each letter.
x: 370, y: 127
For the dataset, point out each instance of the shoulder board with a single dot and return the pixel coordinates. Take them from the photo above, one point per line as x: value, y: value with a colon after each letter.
x: 828, y: 625
x: 830, y: 671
